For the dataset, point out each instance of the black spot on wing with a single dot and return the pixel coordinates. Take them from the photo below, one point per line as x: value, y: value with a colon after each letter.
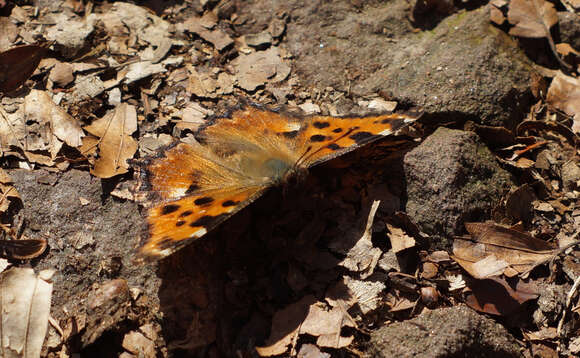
x: 170, y: 208
x: 192, y: 188
x: 337, y: 130
x: 180, y: 223
x: 185, y: 213
x: 320, y: 125
x: 207, y: 220
x: 361, y: 136
x: 395, y: 123
x: 203, y: 200
x: 318, y: 138
x: 290, y: 135
x: 230, y: 203
x: 334, y: 146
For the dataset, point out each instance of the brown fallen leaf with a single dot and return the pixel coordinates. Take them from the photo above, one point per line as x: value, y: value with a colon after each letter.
x: 18, y: 64
x: 285, y: 326
x: 323, y: 320
x: 534, y: 18
x: 498, y: 297
x: 115, y: 144
x: 25, y: 308
x: 564, y: 94
x: 8, y: 191
x: 493, y: 250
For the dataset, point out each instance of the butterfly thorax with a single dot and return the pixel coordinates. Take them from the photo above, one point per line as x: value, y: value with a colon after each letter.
x: 282, y: 172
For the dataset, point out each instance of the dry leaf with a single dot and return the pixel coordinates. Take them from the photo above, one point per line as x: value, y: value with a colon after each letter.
x: 531, y: 18
x: 17, y: 65
x: 115, y: 143
x: 492, y: 249
x: 40, y: 108
x: 12, y: 131
x: 399, y: 240
x: 257, y: 68
x: 25, y: 301
x: 8, y: 191
x: 326, y: 323
x: 285, y: 326
x: 216, y: 37
x: 363, y: 257
x: 324, y: 320
x: 495, y: 296
x: 564, y: 94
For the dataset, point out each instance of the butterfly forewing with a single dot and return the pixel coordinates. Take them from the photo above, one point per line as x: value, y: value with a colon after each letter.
x: 324, y: 138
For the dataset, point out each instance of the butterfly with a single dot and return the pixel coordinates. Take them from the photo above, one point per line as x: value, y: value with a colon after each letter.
x: 194, y: 187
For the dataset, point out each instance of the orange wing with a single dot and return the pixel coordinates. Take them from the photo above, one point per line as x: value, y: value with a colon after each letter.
x: 174, y: 224
x: 324, y: 138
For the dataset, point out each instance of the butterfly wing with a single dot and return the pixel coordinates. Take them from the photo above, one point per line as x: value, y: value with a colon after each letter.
x: 324, y: 138
x: 193, y: 191
x: 174, y: 224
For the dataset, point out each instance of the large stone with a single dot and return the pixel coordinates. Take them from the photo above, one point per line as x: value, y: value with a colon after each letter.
x: 452, y: 178
x: 447, y: 332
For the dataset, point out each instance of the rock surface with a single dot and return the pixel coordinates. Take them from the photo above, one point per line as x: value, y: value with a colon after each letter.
x: 447, y: 332
x: 452, y: 178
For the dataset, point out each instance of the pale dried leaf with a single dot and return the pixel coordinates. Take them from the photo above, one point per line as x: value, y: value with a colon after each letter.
x: 564, y: 94
x: 487, y: 267
x: 368, y: 294
x: 257, y: 68
x: 311, y: 351
x: 322, y: 321
x: 363, y: 257
x: 39, y: 107
x: 115, y: 144
x: 531, y: 18
x: 12, y: 130
x: 399, y: 240
x: 198, y: 26
x: 25, y: 301
x: 7, y: 191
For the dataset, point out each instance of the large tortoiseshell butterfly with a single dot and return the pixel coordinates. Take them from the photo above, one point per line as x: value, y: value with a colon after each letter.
x: 195, y: 187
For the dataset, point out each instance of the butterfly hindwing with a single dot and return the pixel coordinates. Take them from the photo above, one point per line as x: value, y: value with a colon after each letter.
x: 173, y: 224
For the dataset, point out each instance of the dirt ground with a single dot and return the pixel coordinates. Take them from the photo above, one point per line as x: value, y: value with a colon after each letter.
x: 309, y: 270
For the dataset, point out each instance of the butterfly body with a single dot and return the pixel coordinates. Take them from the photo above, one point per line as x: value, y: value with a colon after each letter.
x: 193, y: 187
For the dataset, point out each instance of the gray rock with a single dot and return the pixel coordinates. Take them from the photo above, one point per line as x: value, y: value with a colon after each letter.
x: 463, y: 66
x: 452, y: 178
x: 447, y: 332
